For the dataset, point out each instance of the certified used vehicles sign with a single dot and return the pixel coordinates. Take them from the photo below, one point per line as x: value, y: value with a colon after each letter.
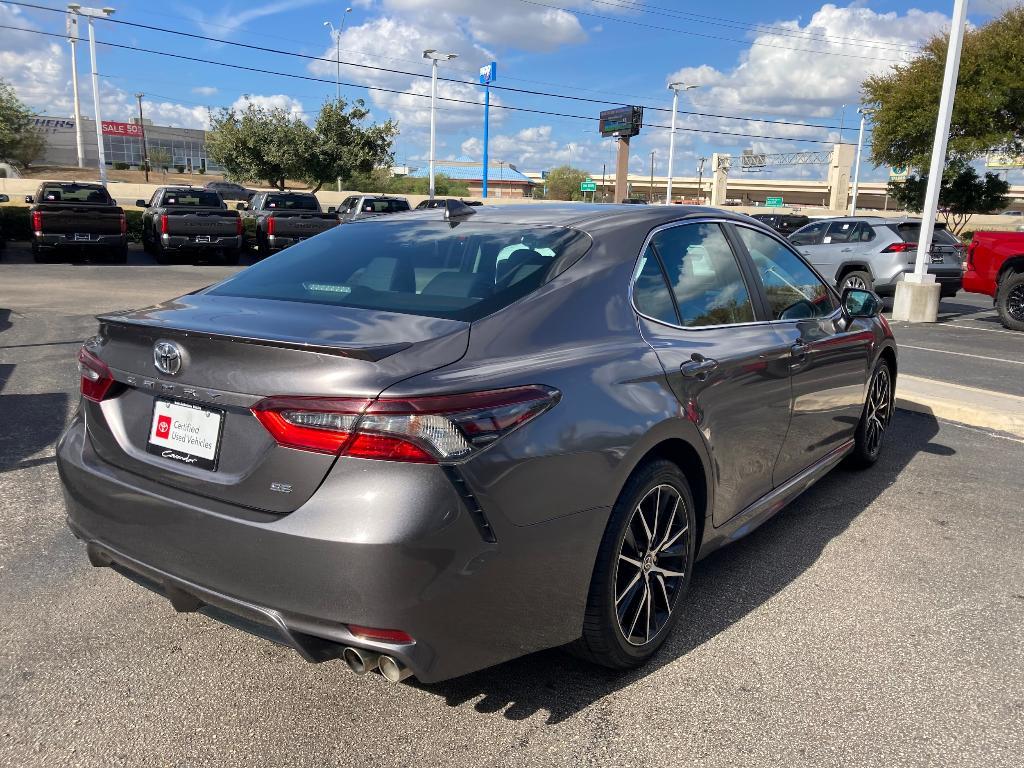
x: 185, y: 433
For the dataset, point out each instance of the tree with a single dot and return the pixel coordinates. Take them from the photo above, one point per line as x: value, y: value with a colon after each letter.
x: 563, y: 183
x: 260, y: 144
x: 20, y: 144
x: 988, y: 111
x: 159, y: 158
x: 343, y: 146
x: 962, y: 194
x: 380, y: 180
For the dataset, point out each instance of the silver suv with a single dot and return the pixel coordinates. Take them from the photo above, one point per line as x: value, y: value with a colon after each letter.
x: 875, y: 253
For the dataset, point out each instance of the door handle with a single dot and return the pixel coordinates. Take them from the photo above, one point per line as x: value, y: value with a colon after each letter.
x: 800, y: 350
x: 846, y: 250
x: 698, y: 368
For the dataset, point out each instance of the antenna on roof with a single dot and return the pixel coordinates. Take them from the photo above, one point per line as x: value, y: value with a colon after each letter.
x: 456, y: 209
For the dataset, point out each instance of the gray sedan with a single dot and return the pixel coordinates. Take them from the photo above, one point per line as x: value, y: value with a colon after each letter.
x: 429, y: 442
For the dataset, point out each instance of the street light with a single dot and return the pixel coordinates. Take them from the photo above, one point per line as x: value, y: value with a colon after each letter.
x: 675, y: 88
x: 72, y: 33
x: 856, y: 168
x: 434, y: 57
x: 90, y: 14
x: 336, y: 34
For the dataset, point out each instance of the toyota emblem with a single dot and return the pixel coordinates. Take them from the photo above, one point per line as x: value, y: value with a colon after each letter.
x: 167, y: 357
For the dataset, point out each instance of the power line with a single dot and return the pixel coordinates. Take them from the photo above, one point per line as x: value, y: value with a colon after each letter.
x: 310, y: 78
x: 691, y: 33
x: 509, y: 89
x: 765, y: 28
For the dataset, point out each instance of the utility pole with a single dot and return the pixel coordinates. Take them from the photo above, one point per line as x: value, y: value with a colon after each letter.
x: 842, y: 119
x: 856, y: 168
x: 72, y: 31
x: 604, y: 170
x: 142, y: 131
x: 336, y: 34
x: 700, y: 180
x: 675, y: 88
x: 90, y: 14
x: 434, y: 57
x: 487, y: 74
x: 652, y: 176
x: 917, y: 295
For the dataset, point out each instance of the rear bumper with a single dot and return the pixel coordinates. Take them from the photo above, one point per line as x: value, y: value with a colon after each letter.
x: 45, y: 240
x: 409, y: 557
x: 950, y: 280
x: 975, y: 283
x: 189, y: 243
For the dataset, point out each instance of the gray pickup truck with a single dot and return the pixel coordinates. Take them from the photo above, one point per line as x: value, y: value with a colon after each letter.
x: 188, y: 223
x: 279, y: 219
x: 363, y: 206
x: 79, y: 218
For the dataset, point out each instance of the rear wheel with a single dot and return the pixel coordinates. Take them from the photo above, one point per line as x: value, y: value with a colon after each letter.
x: 858, y: 279
x: 875, y: 419
x: 1010, y: 301
x: 160, y: 254
x: 39, y: 256
x: 642, y: 571
x: 232, y: 256
x: 118, y: 254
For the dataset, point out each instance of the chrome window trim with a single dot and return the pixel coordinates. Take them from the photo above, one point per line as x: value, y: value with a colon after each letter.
x: 699, y: 328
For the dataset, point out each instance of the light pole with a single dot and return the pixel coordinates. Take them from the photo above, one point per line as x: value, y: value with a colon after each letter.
x: 652, y: 177
x: 434, y: 57
x: 842, y: 119
x: 72, y: 30
x: 487, y: 74
x: 142, y: 132
x: 700, y: 180
x: 336, y: 34
x: 675, y: 88
x: 856, y: 168
x: 90, y: 14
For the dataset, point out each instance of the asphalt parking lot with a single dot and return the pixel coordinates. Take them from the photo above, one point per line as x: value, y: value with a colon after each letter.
x: 877, y: 621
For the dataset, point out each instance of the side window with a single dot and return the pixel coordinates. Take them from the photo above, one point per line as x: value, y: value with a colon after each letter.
x: 794, y: 291
x: 650, y: 291
x: 809, y: 235
x: 704, y: 275
x: 864, y: 233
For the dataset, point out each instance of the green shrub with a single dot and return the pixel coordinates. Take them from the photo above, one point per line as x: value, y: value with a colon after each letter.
x: 121, y: 166
x: 179, y: 168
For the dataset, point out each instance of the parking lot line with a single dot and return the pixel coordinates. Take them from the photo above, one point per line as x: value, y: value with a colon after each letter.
x: 964, y: 354
x: 973, y: 328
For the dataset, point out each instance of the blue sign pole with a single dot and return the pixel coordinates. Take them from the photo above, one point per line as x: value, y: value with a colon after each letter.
x: 486, y: 76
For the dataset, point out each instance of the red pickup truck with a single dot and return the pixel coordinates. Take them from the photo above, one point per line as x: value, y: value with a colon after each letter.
x: 995, y: 267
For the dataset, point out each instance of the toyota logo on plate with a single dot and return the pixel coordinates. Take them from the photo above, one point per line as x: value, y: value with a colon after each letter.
x: 167, y: 357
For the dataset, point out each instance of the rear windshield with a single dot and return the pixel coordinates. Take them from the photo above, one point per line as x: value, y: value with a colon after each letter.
x: 911, y: 231
x: 292, y: 203
x: 461, y: 272
x: 74, y: 193
x: 384, y: 206
x: 194, y: 198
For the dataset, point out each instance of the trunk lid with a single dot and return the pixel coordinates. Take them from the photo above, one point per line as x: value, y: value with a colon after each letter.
x: 69, y: 219
x: 234, y: 352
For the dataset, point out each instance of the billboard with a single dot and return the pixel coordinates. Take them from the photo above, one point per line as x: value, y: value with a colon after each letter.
x: 1003, y: 160
x: 122, y: 129
x: 623, y: 121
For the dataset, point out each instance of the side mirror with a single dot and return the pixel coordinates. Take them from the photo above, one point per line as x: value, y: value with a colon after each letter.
x: 141, y: 203
x: 861, y: 303
x: 29, y: 199
x: 332, y: 209
x: 4, y: 199
x: 240, y: 206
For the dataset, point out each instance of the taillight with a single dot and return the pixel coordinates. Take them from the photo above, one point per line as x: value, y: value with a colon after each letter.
x: 426, y: 430
x: 384, y: 635
x: 96, y: 376
x: 970, y: 253
x: 899, y: 247
x: 124, y: 224
x: 239, y: 226
x: 271, y: 226
x: 37, y: 221
x: 164, y: 227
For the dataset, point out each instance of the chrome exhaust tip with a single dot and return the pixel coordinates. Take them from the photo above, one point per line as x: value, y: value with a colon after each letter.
x: 393, y: 670
x: 359, y: 660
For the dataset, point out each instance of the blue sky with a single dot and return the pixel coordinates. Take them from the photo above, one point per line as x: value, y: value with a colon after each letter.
x: 797, y: 62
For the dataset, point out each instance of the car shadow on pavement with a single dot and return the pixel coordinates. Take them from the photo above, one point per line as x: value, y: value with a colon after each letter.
x: 31, y: 423
x: 726, y: 586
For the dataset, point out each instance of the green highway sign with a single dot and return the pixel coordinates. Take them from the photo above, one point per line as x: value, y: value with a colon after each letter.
x: 773, y: 202
x: 588, y: 186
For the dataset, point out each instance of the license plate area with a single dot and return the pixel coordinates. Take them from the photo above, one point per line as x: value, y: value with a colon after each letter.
x: 186, y: 433
x: 82, y: 237
x: 202, y: 238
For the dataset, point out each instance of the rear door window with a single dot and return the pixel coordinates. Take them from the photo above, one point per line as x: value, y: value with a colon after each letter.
x: 793, y: 290
x: 809, y: 235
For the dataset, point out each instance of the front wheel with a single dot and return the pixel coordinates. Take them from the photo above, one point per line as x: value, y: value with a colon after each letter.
x: 1010, y: 301
x: 643, y: 569
x: 867, y: 440
x: 857, y: 279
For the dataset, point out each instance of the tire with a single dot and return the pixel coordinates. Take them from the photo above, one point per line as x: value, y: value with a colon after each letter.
x: 614, y: 631
x: 856, y: 278
x: 38, y: 256
x: 1010, y: 301
x: 231, y: 257
x: 118, y: 254
x: 161, y: 255
x: 868, y: 440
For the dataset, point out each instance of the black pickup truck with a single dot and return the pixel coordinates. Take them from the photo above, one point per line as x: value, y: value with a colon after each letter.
x: 188, y: 222
x: 280, y: 219
x: 79, y: 218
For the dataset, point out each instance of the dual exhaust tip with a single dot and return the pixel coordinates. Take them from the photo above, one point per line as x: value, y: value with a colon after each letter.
x: 361, y: 661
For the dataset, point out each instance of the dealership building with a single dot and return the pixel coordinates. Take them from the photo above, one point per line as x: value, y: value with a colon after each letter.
x: 122, y: 143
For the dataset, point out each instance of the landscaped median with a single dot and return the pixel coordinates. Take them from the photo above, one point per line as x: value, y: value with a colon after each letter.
x: 974, y: 407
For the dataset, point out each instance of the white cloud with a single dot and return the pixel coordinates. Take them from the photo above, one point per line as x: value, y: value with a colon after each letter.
x: 226, y: 21
x: 205, y: 90
x: 273, y: 101
x: 785, y: 81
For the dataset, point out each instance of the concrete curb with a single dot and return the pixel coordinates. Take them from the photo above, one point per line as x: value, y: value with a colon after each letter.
x: 975, y: 407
